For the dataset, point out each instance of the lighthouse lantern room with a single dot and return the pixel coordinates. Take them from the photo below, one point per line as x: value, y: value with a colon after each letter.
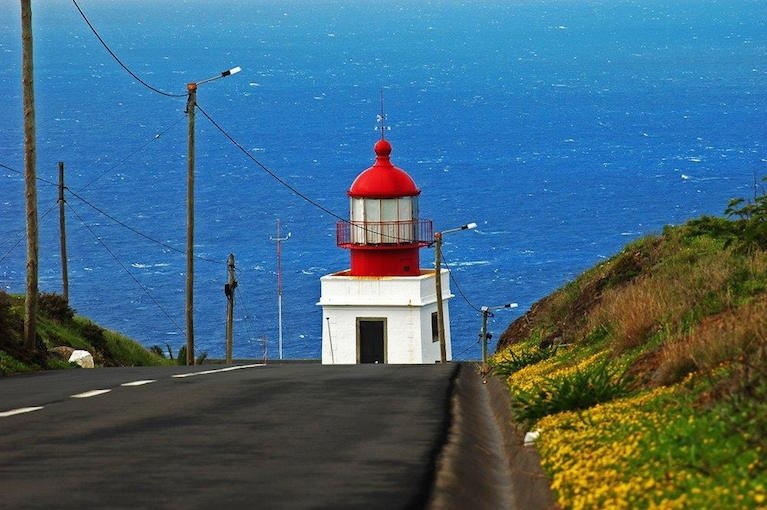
x: 383, y: 309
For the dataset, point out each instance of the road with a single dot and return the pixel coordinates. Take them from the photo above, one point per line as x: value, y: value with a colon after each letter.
x: 276, y: 436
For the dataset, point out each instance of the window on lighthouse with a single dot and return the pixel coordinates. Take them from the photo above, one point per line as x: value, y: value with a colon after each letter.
x: 384, y: 220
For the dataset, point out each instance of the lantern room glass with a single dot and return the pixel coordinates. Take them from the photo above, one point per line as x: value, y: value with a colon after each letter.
x: 384, y: 220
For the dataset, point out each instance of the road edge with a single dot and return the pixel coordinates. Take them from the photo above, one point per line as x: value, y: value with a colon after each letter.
x: 483, y: 464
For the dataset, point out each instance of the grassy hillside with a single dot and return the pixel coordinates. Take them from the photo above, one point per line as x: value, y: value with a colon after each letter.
x: 646, y: 377
x: 59, y: 326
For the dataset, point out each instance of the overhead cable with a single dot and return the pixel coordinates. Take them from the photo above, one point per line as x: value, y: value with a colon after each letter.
x: 138, y: 232
x: 133, y: 277
x: 266, y: 169
x: 120, y: 62
x: 129, y: 156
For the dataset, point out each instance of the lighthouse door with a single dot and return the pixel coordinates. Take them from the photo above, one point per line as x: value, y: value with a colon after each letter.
x: 371, y: 344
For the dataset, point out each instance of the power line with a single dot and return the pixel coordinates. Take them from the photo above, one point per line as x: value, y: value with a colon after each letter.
x: 23, y: 233
x: 241, y: 302
x: 133, y: 277
x: 266, y: 169
x: 129, y: 156
x: 46, y: 181
x: 467, y: 349
x: 458, y: 287
x: 117, y: 59
x: 138, y: 232
x: 361, y: 227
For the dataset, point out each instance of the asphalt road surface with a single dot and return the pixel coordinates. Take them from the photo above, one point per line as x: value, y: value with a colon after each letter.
x: 249, y: 436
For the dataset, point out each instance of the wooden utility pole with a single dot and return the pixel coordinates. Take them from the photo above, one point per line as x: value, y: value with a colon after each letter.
x: 484, y: 335
x: 30, y: 175
x: 229, y: 292
x: 63, y: 235
x: 440, y: 308
x: 190, y: 108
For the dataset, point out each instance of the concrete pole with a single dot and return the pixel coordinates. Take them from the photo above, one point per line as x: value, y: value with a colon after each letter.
x: 30, y: 175
x: 190, y: 110
x: 63, y: 236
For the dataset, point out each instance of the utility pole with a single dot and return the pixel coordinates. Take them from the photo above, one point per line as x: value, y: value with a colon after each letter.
x: 190, y: 109
x: 440, y: 310
x: 191, y: 105
x: 279, y: 285
x: 487, y: 311
x: 63, y: 235
x: 484, y: 334
x: 229, y: 292
x: 438, y: 285
x: 30, y: 175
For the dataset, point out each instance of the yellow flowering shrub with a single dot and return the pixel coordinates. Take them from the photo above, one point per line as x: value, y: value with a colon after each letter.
x: 648, y: 451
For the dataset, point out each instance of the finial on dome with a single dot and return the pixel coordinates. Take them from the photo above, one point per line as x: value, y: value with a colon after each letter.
x: 382, y: 148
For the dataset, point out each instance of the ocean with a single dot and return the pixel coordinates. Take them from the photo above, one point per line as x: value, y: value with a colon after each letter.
x: 565, y: 129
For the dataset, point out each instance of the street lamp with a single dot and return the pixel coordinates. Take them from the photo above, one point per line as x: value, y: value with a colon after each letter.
x: 438, y: 283
x: 191, y: 103
x: 487, y: 311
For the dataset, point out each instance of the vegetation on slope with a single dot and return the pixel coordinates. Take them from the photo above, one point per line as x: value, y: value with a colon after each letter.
x: 59, y: 326
x: 646, y: 377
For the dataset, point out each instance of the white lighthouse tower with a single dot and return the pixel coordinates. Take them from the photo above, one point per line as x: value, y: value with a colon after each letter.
x: 384, y: 308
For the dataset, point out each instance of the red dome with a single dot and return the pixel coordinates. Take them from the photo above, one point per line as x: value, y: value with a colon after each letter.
x: 383, y: 180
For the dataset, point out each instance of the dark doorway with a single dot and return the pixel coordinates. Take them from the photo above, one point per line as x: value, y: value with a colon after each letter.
x: 370, y: 339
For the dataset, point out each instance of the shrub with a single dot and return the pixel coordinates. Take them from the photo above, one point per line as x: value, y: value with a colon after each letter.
x: 5, y: 312
x: 576, y: 390
x: 55, y: 307
x: 511, y: 362
x: 10, y: 365
x: 181, y: 357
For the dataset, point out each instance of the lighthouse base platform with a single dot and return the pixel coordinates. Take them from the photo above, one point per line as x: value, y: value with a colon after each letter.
x: 383, y: 319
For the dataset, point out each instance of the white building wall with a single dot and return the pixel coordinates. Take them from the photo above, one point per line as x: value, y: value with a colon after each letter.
x: 407, y: 304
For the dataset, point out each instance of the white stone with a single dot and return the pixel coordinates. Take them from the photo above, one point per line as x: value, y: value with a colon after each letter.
x: 531, y: 437
x: 82, y: 358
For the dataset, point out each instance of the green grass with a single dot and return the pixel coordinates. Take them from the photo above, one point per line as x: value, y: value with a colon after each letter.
x: 660, y: 397
x: 58, y: 325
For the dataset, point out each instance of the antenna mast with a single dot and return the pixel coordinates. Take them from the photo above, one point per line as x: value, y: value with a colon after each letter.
x: 279, y: 284
x: 383, y: 116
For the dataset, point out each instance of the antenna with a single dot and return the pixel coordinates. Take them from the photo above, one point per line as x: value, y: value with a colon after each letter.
x: 381, y: 117
x: 279, y: 240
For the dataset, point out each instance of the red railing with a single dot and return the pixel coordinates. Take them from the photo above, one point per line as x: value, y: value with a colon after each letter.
x: 385, y: 233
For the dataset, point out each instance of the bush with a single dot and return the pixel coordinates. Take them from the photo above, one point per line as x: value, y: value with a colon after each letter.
x: 5, y: 311
x: 181, y: 357
x: 511, y: 362
x: 10, y: 365
x: 577, y: 390
x: 55, y: 307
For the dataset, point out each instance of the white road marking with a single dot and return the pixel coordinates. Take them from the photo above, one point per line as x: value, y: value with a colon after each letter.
x: 91, y: 393
x: 20, y: 410
x: 95, y: 393
x: 218, y: 370
x: 139, y: 383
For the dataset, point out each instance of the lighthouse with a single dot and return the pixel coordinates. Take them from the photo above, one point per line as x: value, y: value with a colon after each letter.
x: 383, y: 308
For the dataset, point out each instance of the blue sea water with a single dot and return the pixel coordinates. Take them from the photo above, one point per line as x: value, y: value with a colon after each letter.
x: 564, y: 128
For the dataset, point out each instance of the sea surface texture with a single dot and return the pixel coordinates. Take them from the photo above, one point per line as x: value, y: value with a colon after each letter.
x: 564, y: 129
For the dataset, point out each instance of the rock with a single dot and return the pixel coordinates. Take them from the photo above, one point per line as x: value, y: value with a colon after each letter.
x: 82, y: 358
x: 531, y: 437
x: 63, y: 352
